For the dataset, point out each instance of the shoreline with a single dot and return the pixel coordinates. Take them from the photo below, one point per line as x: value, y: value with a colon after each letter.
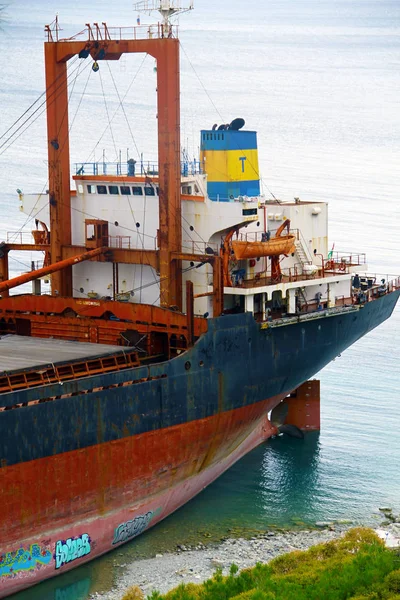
x: 166, y: 571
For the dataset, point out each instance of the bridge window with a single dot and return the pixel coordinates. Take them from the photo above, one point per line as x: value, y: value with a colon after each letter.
x: 149, y: 191
x: 102, y: 189
x: 113, y: 189
x: 249, y: 211
x: 137, y: 191
x: 125, y: 190
x: 91, y: 189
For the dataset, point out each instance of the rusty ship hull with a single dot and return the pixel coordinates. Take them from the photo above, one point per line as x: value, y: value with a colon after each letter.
x: 103, y: 458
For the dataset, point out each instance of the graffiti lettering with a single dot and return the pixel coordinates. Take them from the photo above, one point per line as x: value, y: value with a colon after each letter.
x: 131, y: 529
x: 23, y: 560
x: 71, y: 549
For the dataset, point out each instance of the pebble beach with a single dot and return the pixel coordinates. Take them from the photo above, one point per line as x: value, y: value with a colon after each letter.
x: 163, y: 572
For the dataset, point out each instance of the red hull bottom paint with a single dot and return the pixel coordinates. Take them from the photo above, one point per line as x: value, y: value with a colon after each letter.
x: 160, y: 471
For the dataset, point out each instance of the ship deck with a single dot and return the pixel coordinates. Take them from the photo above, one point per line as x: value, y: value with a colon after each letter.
x: 19, y: 352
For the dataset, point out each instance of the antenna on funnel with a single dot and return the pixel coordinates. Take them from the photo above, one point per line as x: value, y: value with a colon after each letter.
x: 167, y: 8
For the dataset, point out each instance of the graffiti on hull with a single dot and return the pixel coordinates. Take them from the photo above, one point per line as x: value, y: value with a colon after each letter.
x: 130, y: 529
x: 24, y: 560
x: 71, y: 549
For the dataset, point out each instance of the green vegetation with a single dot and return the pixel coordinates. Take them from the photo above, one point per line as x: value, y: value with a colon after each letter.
x: 354, y: 567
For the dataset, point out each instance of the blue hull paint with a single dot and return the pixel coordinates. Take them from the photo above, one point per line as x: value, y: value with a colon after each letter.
x: 236, y: 363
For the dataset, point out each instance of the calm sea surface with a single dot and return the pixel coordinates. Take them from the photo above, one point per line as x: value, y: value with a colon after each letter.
x: 320, y: 83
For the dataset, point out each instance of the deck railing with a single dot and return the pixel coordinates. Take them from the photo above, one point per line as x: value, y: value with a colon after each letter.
x: 289, y: 275
x: 296, y: 274
x: 140, y: 168
x: 102, y: 33
x: 199, y: 247
x: 341, y: 261
x: 111, y: 241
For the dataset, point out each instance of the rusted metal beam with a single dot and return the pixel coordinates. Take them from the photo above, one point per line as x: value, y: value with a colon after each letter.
x: 53, y: 268
x: 30, y: 247
x: 128, y: 256
x: 218, y: 288
x: 4, y: 268
x: 59, y: 167
x: 168, y: 99
x: 204, y: 258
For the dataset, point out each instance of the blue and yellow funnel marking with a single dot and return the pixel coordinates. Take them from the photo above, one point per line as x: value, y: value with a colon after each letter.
x: 230, y: 159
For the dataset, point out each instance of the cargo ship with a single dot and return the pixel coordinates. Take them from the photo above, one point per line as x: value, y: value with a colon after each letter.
x: 187, y: 317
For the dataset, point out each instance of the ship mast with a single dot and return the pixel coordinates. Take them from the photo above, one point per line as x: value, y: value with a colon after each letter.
x: 166, y: 8
x: 106, y: 43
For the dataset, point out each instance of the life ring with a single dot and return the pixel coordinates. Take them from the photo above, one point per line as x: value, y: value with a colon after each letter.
x: 330, y: 265
x: 342, y: 266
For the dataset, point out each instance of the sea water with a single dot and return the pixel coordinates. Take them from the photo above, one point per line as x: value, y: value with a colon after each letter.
x: 319, y: 81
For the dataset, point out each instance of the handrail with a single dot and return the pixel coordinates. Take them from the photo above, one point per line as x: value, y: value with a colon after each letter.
x: 200, y: 247
x: 57, y: 266
x: 95, y: 33
x: 349, y: 258
x: 128, y: 168
x: 304, y: 243
x: 293, y: 274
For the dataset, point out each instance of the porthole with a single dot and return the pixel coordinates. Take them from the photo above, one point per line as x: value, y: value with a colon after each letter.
x: 188, y: 365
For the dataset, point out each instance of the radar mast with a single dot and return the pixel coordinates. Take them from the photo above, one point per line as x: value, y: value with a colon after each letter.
x: 167, y: 8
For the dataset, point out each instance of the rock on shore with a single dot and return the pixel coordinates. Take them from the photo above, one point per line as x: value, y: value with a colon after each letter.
x: 164, y: 572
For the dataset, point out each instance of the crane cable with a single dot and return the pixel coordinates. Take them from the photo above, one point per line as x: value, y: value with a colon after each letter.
x: 52, y: 97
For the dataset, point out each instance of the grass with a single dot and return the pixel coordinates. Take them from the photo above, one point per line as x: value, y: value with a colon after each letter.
x: 355, y: 567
